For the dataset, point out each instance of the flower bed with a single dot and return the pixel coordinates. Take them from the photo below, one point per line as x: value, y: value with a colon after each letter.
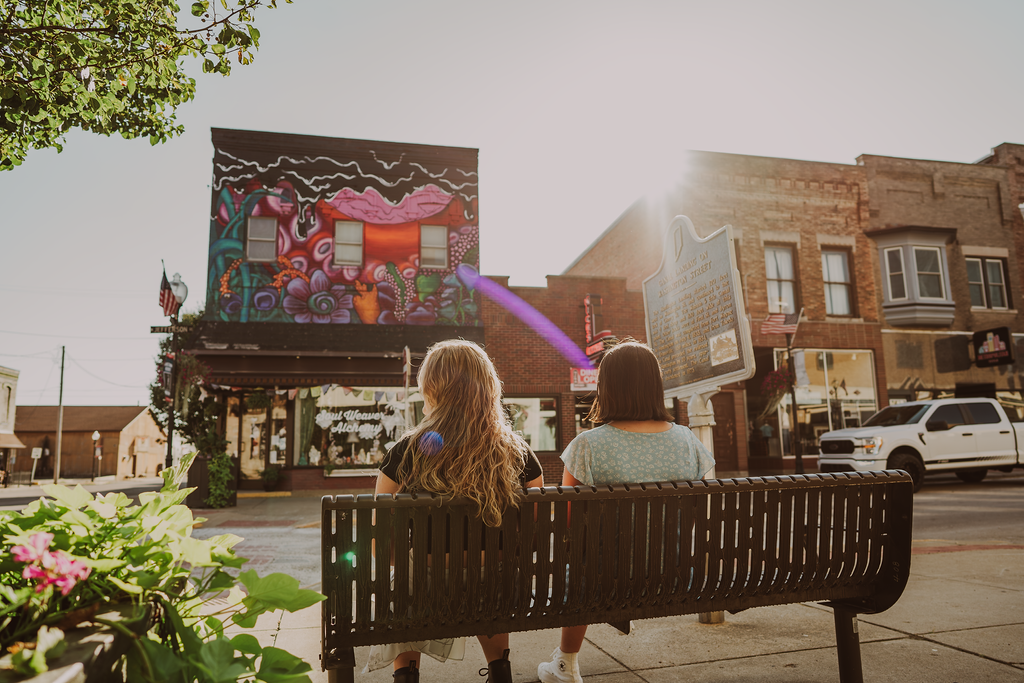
x: 71, y: 558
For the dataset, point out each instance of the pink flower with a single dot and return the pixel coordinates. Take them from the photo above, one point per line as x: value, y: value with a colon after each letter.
x: 56, y: 568
x: 35, y: 550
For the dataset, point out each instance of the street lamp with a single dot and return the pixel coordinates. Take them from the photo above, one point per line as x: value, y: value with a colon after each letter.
x: 95, y: 452
x: 180, y: 292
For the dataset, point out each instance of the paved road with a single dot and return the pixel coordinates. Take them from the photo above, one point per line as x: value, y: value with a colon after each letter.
x: 991, y: 511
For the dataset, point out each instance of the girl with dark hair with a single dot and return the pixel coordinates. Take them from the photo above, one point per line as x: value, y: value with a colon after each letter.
x: 464, y: 448
x: 635, y: 442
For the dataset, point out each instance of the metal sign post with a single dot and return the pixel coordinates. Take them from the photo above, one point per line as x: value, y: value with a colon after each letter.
x: 697, y: 327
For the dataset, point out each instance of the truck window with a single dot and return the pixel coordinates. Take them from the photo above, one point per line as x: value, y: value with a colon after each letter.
x: 892, y: 416
x: 951, y: 413
x: 983, y: 413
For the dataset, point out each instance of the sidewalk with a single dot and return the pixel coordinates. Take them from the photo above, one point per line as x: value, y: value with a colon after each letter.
x: 960, y: 620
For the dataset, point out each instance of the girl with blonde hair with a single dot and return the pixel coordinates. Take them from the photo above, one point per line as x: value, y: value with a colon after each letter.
x: 464, y: 448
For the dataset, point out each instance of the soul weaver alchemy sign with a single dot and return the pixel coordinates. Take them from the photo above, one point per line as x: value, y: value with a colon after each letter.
x: 694, y: 312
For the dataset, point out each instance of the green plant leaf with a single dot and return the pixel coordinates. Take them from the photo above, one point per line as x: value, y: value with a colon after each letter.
x: 247, y: 643
x: 126, y: 587
x: 279, y: 666
x: 72, y: 498
x: 277, y: 591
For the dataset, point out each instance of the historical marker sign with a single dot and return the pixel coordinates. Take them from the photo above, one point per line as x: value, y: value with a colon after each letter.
x: 694, y: 310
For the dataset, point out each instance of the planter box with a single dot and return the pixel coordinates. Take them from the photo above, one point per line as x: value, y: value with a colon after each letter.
x: 93, y: 652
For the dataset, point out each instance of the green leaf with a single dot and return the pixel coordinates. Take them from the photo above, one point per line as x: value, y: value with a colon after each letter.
x: 73, y: 499
x: 198, y: 8
x: 126, y: 587
x: 218, y: 659
x: 247, y: 643
x: 279, y: 666
x: 50, y: 644
x: 277, y: 591
x: 102, y: 565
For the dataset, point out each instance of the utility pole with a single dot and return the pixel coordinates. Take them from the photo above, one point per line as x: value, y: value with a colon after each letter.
x: 60, y: 420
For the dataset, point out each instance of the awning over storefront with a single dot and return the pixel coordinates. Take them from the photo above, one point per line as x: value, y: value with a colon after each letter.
x: 9, y: 440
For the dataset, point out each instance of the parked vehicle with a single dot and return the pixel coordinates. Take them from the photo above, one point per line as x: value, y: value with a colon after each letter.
x: 968, y: 436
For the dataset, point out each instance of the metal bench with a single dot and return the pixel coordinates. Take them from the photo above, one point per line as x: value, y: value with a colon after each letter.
x: 623, y: 552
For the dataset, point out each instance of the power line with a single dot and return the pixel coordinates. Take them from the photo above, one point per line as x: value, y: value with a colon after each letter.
x: 126, y: 386
x: 66, y: 336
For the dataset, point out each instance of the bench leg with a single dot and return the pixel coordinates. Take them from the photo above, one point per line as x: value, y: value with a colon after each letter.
x: 346, y: 672
x: 848, y: 646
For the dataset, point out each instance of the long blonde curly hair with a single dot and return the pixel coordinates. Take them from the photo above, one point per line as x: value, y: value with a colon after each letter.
x: 465, y: 447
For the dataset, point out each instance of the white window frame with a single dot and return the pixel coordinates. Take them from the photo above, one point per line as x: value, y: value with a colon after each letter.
x: 362, y: 239
x: 985, y: 284
x: 902, y: 274
x: 778, y: 305
x: 942, y: 274
x: 847, y: 283
x: 250, y: 240
x: 433, y: 249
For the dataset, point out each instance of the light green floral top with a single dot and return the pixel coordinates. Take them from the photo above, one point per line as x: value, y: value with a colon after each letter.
x: 607, y: 455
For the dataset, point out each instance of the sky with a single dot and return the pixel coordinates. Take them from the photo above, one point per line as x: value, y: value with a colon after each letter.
x: 577, y: 108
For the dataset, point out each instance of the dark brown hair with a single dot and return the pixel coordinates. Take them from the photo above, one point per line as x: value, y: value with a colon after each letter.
x: 629, y: 386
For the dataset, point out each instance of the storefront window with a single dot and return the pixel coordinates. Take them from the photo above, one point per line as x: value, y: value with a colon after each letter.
x: 352, y: 427
x: 536, y: 420
x: 838, y: 392
x: 253, y: 438
x: 231, y: 426
x: 279, y: 431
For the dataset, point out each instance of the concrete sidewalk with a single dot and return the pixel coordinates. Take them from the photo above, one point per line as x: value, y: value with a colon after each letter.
x: 961, y: 619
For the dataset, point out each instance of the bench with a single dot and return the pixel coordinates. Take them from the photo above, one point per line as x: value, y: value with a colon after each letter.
x: 632, y: 551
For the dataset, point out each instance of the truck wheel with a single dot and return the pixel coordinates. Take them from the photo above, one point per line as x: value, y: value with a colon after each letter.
x: 911, y: 465
x: 971, y: 476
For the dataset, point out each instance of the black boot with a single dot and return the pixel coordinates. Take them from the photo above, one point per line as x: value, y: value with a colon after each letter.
x: 499, y: 671
x: 409, y: 674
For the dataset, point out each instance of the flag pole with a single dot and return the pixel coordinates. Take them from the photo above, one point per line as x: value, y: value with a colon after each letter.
x: 795, y: 431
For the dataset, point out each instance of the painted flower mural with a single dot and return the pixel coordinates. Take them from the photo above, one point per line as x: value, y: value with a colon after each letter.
x: 306, y: 282
x: 318, y: 300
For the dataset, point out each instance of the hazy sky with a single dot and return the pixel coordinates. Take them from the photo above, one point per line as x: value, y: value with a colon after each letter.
x: 577, y: 109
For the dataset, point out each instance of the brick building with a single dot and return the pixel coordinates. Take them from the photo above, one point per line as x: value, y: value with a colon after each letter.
x: 895, y: 263
x: 948, y: 245
x: 794, y: 223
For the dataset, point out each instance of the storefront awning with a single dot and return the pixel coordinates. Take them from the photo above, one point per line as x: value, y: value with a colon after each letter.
x: 10, y: 441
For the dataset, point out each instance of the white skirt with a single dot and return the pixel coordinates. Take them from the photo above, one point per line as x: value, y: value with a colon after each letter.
x: 442, y: 649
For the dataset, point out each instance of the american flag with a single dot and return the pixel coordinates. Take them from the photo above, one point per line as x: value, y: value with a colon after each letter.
x: 167, y: 300
x: 781, y: 323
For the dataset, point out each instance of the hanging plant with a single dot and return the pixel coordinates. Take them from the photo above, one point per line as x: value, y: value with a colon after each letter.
x: 774, y: 388
x: 258, y: 401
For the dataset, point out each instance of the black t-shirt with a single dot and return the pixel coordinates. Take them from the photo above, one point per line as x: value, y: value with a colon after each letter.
x: 394, y: 458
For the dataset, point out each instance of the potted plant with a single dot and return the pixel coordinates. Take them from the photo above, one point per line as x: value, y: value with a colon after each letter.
x: 71, y: 558
x: 271, y: 477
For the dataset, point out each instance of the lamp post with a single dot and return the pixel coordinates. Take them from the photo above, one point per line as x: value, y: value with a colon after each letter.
x: 95, y: 452
x: 180, y: 292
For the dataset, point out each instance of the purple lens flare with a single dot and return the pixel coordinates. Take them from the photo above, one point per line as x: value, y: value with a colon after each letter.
x: 525, y: 312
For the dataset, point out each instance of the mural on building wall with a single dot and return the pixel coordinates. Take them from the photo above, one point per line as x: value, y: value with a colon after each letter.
x: 303, y: 282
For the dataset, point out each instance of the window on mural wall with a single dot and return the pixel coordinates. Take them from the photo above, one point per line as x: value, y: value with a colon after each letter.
x: 261, y: 239
x: 348, y: 243
x: 778, y: 265
x: 535, y: 419
x: 930, y: 283
x: 894, y: 266
x: 986, y: 283
x: 433, y: 246
x: 835, y: 271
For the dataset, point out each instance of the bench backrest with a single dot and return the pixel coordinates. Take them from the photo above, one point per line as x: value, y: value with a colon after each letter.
x: 632, y: 551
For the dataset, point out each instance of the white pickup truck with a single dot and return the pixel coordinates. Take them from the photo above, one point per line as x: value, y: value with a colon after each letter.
x: 968, y: 436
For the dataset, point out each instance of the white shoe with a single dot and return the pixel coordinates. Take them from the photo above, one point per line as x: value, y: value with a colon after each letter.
x: 563, y: 668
